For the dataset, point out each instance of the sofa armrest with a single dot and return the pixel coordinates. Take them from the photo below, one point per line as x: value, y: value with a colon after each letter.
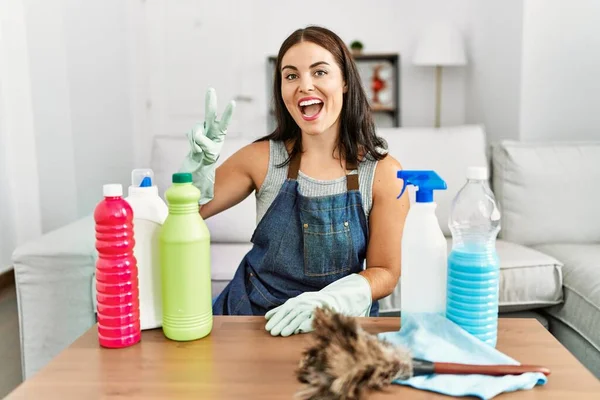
x: 54, y: 284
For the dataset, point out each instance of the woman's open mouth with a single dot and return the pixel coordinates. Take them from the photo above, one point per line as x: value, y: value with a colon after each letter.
x: 310, y: 108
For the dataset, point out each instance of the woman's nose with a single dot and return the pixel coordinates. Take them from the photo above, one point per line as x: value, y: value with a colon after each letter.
x: 306, y: 85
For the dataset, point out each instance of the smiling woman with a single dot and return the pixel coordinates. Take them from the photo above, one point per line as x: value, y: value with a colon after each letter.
x: 326, y: 194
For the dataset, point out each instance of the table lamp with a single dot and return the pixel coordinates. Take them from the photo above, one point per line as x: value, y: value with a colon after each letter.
x: 439, y: 46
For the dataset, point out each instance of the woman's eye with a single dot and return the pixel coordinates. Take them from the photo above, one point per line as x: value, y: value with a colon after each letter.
x: 289, y: 77
x: 321, y: 73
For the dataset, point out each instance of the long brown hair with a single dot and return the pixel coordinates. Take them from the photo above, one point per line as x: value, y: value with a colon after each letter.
x: 357, y: 129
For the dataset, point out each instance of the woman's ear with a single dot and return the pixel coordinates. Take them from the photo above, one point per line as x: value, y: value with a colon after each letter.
x: 345, y: 87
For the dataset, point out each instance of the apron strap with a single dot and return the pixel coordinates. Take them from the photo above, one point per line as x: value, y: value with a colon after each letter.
x: 294, y: 166
x: 351, y: 180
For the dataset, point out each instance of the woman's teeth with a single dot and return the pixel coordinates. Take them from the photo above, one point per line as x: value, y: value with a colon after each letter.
x: 309, y: 102
x: 310, y: 108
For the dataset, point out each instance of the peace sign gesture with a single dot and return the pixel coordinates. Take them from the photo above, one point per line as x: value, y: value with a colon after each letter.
x: 206, y: 142
x: 208, y: 139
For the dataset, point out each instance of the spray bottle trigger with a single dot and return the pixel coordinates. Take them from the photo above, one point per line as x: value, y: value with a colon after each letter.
x: 403, y: 189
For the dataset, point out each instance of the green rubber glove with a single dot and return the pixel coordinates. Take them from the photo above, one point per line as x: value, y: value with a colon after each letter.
x: 350, y: 296
x: 206, y: 142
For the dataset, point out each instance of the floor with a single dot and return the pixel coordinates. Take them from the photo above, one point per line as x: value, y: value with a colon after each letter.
x: 10, y: 354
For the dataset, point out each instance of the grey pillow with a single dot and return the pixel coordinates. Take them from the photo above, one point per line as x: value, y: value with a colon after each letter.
x: 548, y: 192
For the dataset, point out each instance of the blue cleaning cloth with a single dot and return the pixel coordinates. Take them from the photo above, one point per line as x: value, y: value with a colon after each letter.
x: 435, y: 338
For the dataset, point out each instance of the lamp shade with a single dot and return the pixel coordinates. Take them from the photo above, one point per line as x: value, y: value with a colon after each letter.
x: 440, y: 44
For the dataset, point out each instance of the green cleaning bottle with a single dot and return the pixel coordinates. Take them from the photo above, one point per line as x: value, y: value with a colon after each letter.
x: 185, y: 264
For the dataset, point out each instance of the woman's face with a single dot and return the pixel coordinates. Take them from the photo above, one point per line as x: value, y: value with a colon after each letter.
x: 312, y: 87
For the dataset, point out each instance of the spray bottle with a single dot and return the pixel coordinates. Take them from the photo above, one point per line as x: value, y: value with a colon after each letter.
x: 424, y: 249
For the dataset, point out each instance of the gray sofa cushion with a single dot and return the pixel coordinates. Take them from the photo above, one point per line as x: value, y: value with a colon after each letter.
x: 529, y: 279
x: 581, y: 281
x: 547, y: 192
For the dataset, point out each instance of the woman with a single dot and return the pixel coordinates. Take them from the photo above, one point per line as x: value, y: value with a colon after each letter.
x: 326, y: 193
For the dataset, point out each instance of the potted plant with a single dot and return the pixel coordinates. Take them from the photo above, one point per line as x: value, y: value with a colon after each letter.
x: 356, y: 47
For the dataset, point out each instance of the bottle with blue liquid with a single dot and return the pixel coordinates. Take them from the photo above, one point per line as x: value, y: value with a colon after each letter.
x: 473, y: 264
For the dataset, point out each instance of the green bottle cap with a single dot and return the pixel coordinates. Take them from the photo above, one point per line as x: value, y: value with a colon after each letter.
x: 182, y: 177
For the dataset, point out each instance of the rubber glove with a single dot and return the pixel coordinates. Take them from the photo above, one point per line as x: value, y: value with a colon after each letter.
x: 350, y: 295
x: 206, y: 142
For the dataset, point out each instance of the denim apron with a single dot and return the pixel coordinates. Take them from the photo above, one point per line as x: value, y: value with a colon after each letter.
x: 301, y: 244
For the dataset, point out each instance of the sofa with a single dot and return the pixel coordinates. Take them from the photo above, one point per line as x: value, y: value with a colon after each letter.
x: 549, y: 244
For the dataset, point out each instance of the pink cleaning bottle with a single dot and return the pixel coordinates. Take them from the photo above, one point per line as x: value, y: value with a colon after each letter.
x: 117, y: 291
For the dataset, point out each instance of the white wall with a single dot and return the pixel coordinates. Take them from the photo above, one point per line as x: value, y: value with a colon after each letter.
x: 494, y: 42
x: 19, y: 195
x: 80, y: 85
x: 99, y: 88
x: 52, y: 112
x: 561, y: 67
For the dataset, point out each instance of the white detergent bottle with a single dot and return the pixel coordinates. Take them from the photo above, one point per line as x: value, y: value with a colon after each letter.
x: 149, y: 214
x: 424, y: 250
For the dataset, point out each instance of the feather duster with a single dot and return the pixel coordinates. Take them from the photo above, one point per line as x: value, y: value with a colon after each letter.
x: 345, y: 362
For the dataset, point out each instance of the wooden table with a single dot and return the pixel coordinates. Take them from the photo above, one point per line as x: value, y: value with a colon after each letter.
x: 240, y: 360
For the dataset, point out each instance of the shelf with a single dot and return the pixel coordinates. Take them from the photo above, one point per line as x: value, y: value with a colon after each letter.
x: 379, y: 108
x: 376, y: 57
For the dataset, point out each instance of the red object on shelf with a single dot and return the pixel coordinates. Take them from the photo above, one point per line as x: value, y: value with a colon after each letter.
x: 377, y: 84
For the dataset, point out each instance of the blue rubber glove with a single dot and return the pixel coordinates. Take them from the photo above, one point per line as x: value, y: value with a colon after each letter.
x: 206, y: 142
x: 350, y: 296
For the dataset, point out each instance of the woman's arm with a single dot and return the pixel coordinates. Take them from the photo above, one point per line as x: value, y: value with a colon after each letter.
x: 237, y: 177
x: 386, y: 224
